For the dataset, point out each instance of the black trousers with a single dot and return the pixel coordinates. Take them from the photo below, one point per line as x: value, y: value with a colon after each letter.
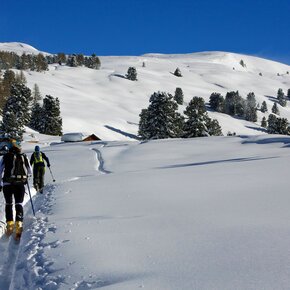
x: 38, y: 177
x: 17, y: 192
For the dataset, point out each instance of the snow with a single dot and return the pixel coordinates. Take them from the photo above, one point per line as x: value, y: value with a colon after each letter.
x: 105, y: 103
x: 204, y: 213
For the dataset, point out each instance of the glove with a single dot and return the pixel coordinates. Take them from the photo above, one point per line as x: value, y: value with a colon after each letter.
x: 1, y: 187
x: 48, y: 165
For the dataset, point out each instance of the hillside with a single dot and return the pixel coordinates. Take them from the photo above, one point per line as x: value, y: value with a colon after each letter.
x: 107, y: 104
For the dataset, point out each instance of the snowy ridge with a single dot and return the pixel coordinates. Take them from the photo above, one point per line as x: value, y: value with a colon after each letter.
x: 19, y: 48
x: 105, y: 103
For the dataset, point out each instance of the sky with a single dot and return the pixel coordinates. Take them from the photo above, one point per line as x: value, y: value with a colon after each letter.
x: 135, y: 27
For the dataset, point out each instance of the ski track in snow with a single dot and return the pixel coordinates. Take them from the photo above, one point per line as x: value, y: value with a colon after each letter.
x: 101, y: 167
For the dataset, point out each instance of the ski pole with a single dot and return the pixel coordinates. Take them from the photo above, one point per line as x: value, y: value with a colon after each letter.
x: 30, y: 199
x: 51, y: 174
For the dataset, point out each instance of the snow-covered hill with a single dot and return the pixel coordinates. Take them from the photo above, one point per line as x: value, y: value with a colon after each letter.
x: 107, y: 104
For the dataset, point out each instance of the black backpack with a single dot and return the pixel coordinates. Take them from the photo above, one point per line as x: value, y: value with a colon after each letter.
x: 16, y: 171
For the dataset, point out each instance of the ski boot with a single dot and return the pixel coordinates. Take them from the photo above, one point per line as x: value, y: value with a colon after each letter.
x: 9, y: 228
x: 18, y: 231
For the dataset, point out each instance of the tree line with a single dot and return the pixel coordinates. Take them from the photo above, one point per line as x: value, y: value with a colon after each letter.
x: 162, y: 120
x: 39, y: 62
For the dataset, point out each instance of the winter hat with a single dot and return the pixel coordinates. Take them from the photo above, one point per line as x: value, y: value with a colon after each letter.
x: 36, y: 149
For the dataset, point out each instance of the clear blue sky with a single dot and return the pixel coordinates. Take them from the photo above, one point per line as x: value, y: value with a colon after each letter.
x: 134, y: 27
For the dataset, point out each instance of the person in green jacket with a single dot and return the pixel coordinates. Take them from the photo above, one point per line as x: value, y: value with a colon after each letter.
x: 37, y: 161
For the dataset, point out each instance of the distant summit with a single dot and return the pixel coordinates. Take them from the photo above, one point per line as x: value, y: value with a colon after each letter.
x: 19, y: 48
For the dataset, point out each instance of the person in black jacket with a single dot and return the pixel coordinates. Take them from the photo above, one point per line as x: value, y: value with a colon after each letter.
x: 16, y: 169
x: 37, y: 161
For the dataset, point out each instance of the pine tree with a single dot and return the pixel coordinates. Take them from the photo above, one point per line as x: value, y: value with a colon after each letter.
x: 282, y: 126
x: 288, y: 94
x: 251, y: 111
x: 217, y: 102
x: 234, y: 104
x: 178, y: 96
x: 264, y: 108
x: 20, y: 78
x: 72, y: 61
x: 52, y: 121
x: 272, y: 124
x: 197, y: 119
x: 93, y: 62
x: 40, y: 62
x: 6, y: 83
x: 132, y: 74
x: 36, y: 96
x: 264, y: 122
x: 36, y: 121
x: 16, y: 111
x: 61, y: 58
x: 281, y: 98
x: 242, y: 63
x: 161, y: 120
x: 177, y: 72
x: 144, y: 125
x: 275, y: 109
x: 214, y: 128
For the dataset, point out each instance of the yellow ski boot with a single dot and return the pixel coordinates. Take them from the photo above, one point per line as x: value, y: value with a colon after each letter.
x: 9, y: 228
x: 18, y: 231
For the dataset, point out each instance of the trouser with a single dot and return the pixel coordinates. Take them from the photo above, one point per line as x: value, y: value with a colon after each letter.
x: 38, y: 177
x: 17, y: 191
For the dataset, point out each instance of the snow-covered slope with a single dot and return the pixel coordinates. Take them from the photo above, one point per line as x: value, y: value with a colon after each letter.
x: 19, y: 48
x: 107, y: 104
x: 204, y: 213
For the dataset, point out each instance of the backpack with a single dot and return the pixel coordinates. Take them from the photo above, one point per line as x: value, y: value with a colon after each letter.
x: 18, y: 173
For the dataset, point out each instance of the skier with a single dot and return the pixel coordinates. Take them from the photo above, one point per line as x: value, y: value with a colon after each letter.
x: 37, y: 161
x: 16, y: 168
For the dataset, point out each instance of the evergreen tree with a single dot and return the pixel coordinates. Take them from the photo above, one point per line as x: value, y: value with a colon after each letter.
x: 20, y: 78
x: 5, y: 87
x: 177, y: 72
x: 288, y: 94
x: 72, y: 61
x: 16, y: 111
x: 264, y: 108
x: 282, y: 126
x: 80, y: 59
x: 234, y: 104
x: 178, y: 96
x: 281, y: 98
x: 197, y: 119
x: 160, y: 120
x: 61, y: 58
x: 93, y: 62
x: 242, y: 63
x: 36, y: 96
x: 214, y: 128
x: 144, y: 125
x: 51, y: 121
x: 264, y: 122
x: 272, y: 124
x: 132, y: 74
x: 217, y: 102
x: 251, y: 111
x: 275, y: 109
x: 40, y: 62
x: 36, y: 121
